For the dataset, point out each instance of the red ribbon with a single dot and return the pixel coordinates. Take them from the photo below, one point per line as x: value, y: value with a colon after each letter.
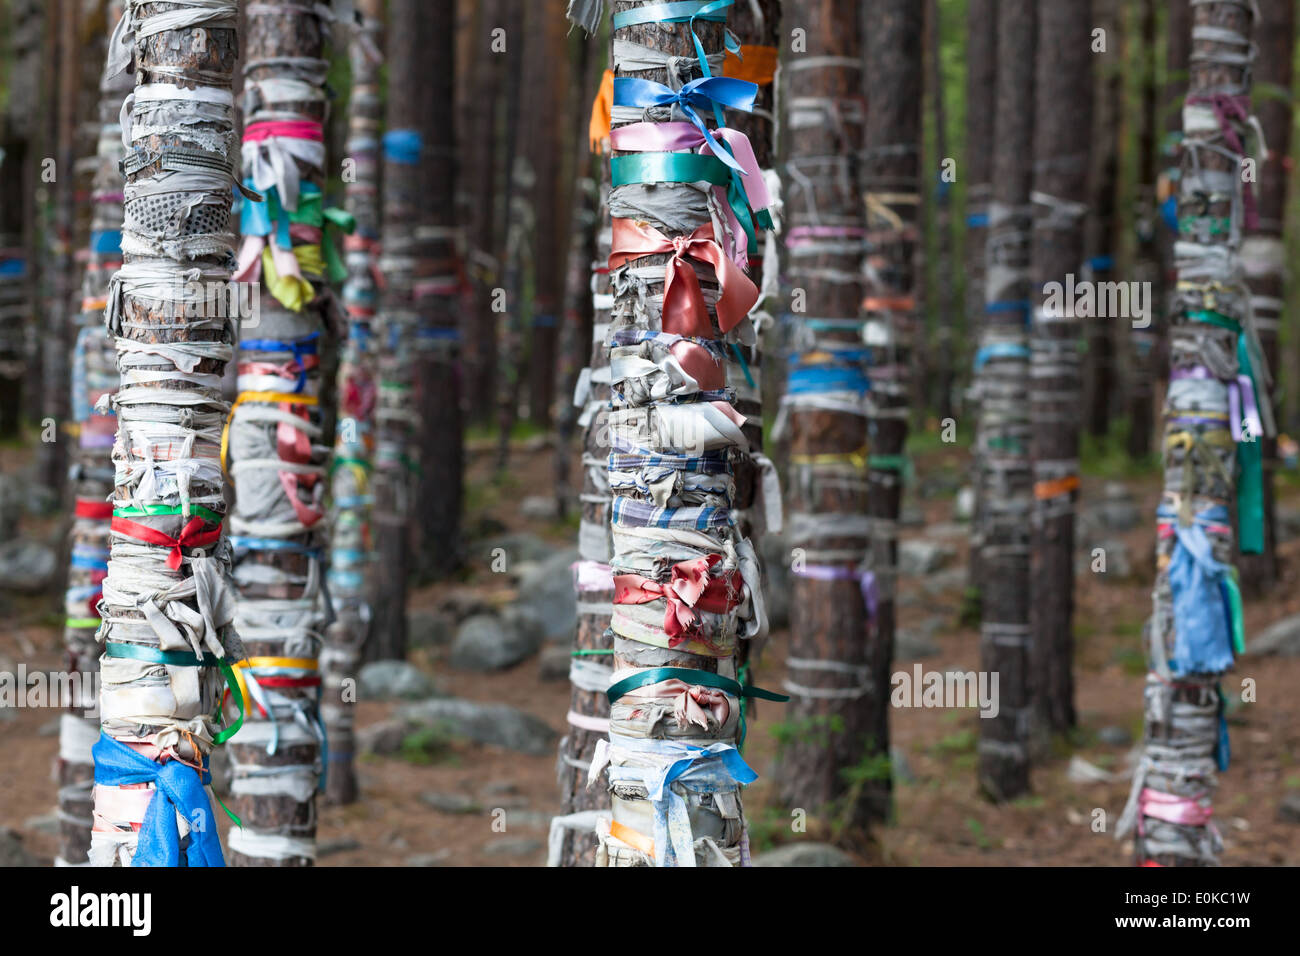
x: 192, y: 536
x: 689, y: 589
x: 684, y: 310
x: 98, y: 510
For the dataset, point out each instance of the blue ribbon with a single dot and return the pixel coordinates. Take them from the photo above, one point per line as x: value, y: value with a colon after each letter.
x: 682, y: 11
x: 403, y: 146
x: 1000, y: 350
x: 179, y: 790
x: 299, y: 347
x: 1202, y: 612
x: 106, y: 241
x: 705, y: 92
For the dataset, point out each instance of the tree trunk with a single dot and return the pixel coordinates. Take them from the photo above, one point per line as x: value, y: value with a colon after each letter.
x: 280, y: 436
x: 835, y: 657
x: 1004, y: 428
x: 940, y: 393
x: 94, y: 374
x: 1183, y: 702
x: 1063, y: 102
x: 1146, y: 268
x: 678, y: 688
x: 981, y: 92
x: 352, y: 572
x: 1263, y: 252
x: 438, y: 294
x: 168, y: 310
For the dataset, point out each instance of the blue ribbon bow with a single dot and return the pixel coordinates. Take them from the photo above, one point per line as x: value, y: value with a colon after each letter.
x: 707, y: 92
x: 179, y: 790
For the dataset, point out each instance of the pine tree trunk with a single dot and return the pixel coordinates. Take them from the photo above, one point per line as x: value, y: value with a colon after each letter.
x: 352, y: 573
x: 941, y: 392
x: 835, y: 657
x: 168, y: 310
x: 280, y: 437
x: 438, y: 292
x: 94, y: 374
x: 1146, y: 267
x: 981, y: 91
x: 1063, y: 92
x: 677, y: 686
x: 1003, y: 444
x: 1263, y: 252
x: 1190, y: 635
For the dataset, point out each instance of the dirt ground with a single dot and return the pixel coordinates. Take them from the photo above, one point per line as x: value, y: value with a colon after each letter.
x: 940, y: 817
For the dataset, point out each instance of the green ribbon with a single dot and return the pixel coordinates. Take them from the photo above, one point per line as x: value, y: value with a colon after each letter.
x: 899, y: 463
x: 1250, y: 454
x: 668, y: 168
x: 154, y: 510
x: 82, y: 622
x: 1233, y: 592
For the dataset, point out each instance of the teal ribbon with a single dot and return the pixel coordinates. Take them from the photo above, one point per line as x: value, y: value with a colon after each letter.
x: 683, y: 11
x: 667, y: 168
x: 1250, y: 459
x: 702, y: 678
x: 154, y: 655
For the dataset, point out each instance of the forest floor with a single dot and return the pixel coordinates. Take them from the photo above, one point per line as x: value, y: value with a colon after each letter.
x: 940, y: 817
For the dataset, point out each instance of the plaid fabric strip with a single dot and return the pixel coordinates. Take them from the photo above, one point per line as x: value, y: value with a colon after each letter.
x: 636, y: 514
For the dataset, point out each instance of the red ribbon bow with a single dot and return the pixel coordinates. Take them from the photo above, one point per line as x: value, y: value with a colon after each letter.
x: 689, y: 589
x: 684, y: 310
x: 191, y: 536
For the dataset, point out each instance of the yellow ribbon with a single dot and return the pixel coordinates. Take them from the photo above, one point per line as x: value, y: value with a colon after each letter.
x: 273, y: 397
x: 298, y: 663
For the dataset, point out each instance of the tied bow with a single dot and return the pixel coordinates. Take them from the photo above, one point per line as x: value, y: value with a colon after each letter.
x: 689, y: 589
x: 684, y: 310
x: 706, y: 92
x: 191, y: 536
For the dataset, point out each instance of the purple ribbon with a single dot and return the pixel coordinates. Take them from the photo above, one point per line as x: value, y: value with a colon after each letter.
x: 835, y: 572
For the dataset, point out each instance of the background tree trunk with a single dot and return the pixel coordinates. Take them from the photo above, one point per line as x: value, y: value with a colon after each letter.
x: 835, y: 655
x: 1004, y: 429
x: 1063, y: 104
x: 352, y: 573
x: 279, y: 447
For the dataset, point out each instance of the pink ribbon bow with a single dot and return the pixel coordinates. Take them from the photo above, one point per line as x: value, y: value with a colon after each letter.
x: 689, y: 589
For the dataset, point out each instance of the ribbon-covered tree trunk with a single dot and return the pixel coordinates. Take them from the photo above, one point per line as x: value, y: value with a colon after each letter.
x: 833, y: 655
x: 890, y: 177
x: 1263, y: 251
x: 685, y: 582
x: 167, y: 603
x: 94, y: 375
x: 977, y: 170
x: 1063, y: 101
x: 352, y: 570
x: 590, y: 666
x: 1003, y: 442
x: 278, y: 443
x: 1216, y: 412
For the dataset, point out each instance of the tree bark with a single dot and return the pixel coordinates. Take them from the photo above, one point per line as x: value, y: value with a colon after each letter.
x: 1063, y: 104
x: 1146, y: 268
x: 1004, y: 427
x: 280, y: 438
x: 1183, y: 702
x: 836, y: 657
x: 685, y: 689
x: 173, y: 338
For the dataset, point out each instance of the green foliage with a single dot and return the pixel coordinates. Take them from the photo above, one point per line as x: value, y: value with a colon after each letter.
x: 427, y: 745
x: 815, y: 730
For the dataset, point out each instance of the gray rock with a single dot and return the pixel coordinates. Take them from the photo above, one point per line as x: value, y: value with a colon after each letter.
x: 1288, y: 523
x: 1115, y: 736
x: 1288, y: 811
x: 947, y: 529
x: 952, y: 579
x: 11, y: 506
x: 514, y: 549
x: 963, y: 506
x: 381, y: 739
x: 1281, y: 638
x: 393, y: 680
x: 553, y: 664
x: 1118, y: 563
x: 12, y: 852
x: 430, y: 628
x: 337, y: 845
x: 496, y: 724
x: 487, y: 642
x: 513, y: 846
x: 917, y: 557
x: 540, y: 507
x: 546, y: 594
x: 911, y: 516
x: 26, y: 566
x: 900, y: 766
x: 436, y: 858
x: 451, y: 802
x: 914, y: 643
x: 804, y: 854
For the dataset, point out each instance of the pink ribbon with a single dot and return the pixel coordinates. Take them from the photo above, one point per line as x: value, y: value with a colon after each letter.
x: 1173, y: 809
x: 290, y: 129
x: 690, y: 586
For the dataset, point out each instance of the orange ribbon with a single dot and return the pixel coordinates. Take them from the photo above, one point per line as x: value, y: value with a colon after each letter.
x: 1053, y: 489
x: 633, y: 838
x: 757, y: 66
x: 690, y: 587
x: 684, y: 310
x: 601, y: 110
